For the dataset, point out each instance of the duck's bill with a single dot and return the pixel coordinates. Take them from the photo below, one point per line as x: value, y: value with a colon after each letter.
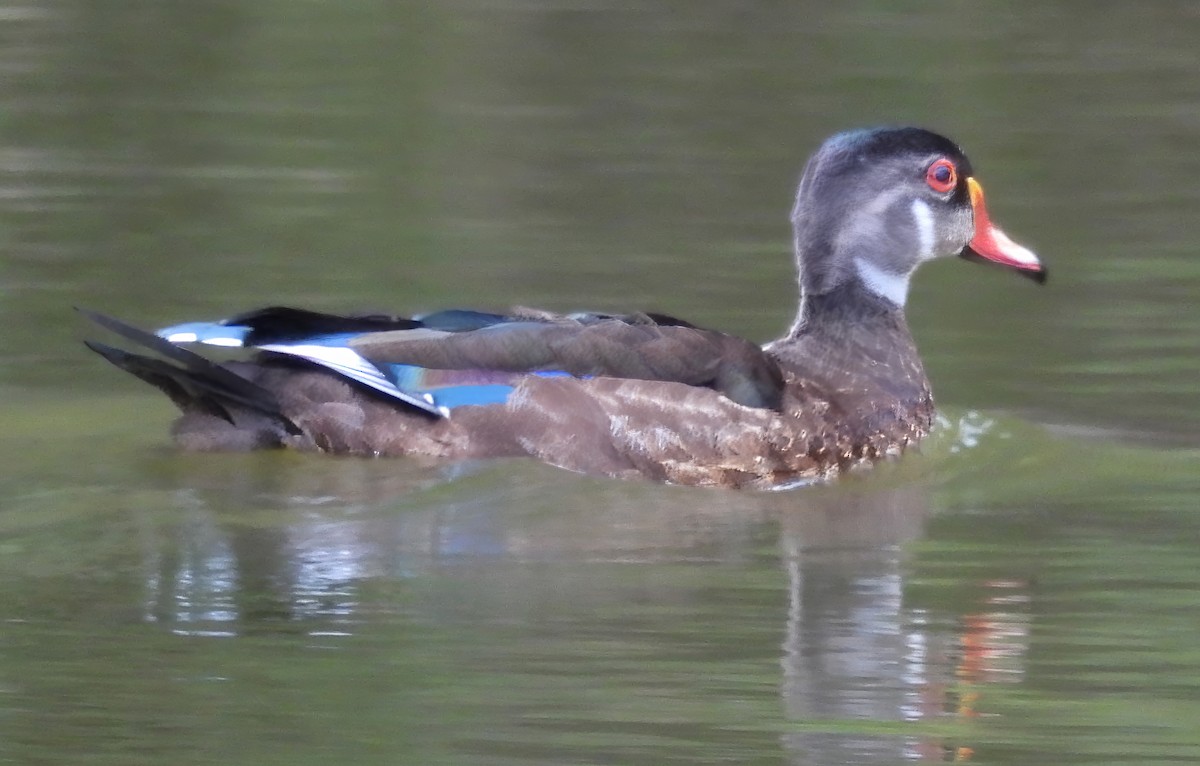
x: 990, y: 243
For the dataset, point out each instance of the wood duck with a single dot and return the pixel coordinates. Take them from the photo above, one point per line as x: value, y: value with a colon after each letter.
x: 630, y: 395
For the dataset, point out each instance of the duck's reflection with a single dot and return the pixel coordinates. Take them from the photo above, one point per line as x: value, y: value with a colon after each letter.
x: 856, y: 650
x: 290, y: 545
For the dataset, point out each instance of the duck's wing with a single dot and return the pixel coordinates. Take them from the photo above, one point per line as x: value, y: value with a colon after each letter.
x: 457, y: 357
x: 637, y: 346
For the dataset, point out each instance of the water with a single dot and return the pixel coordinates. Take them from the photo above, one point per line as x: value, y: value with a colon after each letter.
x: 1021, y: 591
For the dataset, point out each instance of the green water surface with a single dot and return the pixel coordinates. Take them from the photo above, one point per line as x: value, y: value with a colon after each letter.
x: 1022, y: 590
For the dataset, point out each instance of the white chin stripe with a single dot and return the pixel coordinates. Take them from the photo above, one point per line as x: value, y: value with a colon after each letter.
x: 923, y: 218
x: 892, y: 287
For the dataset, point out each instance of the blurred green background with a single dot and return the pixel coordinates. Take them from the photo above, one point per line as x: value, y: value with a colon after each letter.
x: 1017, y: 592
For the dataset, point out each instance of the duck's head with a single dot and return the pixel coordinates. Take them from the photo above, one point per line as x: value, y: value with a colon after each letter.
x: 875, y: 204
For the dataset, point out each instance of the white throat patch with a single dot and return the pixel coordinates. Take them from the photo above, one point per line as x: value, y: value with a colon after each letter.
x: 892, y: 286
x: 889, y: 286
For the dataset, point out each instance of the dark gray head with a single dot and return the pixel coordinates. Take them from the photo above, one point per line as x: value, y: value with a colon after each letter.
x: 875, y: 204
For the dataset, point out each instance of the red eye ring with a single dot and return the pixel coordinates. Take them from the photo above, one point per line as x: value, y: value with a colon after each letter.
x: 942, y: 176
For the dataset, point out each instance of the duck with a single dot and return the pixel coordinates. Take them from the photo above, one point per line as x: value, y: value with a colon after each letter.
x: 637, y: 395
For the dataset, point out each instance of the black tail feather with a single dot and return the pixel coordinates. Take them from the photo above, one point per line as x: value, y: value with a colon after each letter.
x: 192, y: 382
x: 282, y: 324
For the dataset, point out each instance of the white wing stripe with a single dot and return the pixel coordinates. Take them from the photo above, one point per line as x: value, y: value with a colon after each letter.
x: 348, y: 362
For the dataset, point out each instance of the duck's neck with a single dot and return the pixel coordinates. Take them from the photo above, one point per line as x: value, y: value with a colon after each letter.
x: 849, y: 307
x: 852, y: 338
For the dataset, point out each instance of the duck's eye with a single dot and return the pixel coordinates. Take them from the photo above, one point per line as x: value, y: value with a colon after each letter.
x: 941, y: 176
